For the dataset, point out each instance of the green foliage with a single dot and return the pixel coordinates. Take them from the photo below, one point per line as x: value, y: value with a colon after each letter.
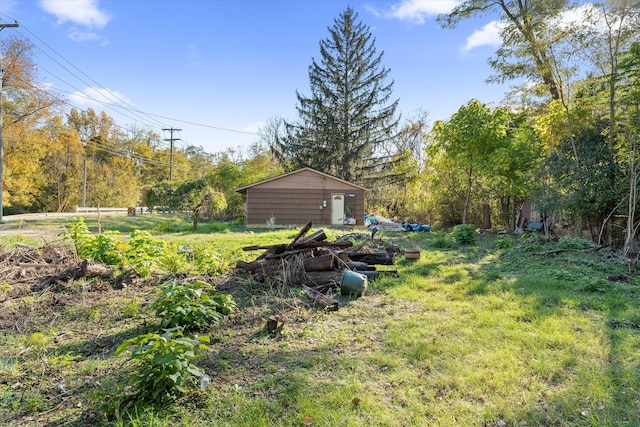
x: 209, y: 261
x: 174, y: 261
x: 164, y: 363
x: 79, y: 234
x: 503, y: 241
x: 464, y: 234
x: 106, y: 247
x: 143, y: 251
x: 346, y: 122
x: 442, y: 240
x: 568, y: 242
x: 192, y: 306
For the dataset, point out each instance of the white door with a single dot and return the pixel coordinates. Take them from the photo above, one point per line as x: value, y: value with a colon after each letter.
x: 337, y: 209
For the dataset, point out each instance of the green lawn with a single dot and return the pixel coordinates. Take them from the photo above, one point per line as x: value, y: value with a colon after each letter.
x: 465, y: 336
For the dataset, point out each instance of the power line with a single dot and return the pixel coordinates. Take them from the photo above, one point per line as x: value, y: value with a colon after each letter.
x: 109, y: 92
x: 129, y: 108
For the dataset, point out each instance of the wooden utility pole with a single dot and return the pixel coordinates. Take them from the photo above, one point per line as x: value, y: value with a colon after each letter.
x: 2, y: 185
x: 171, y: 139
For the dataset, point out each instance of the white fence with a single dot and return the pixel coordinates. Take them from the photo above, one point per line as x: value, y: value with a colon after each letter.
x: 88, y: 210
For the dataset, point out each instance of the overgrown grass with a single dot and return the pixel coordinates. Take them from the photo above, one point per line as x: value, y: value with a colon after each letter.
x: 481, y: 335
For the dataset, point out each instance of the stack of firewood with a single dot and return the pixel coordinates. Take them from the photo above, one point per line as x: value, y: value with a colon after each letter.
x: 314, y: 263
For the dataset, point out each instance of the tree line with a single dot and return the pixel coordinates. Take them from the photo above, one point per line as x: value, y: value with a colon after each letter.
x: 565, y: 138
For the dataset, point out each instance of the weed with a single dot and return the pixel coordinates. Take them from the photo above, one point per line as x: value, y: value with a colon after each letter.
x: 503, y: 241
x: 164, y: 363
x: 191, y: 305
x: 442, y: 241
x: 464, y: 234
x: 131, y: 308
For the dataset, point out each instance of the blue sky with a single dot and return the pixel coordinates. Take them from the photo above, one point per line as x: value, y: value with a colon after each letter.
x: 218, y: 69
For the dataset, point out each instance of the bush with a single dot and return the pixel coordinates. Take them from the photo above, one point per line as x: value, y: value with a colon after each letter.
x: 503, y: 241
x: 567, y: 242
x: 442, y: 241
x: 164, y: 363
x: 190, y: 305
x: 464, y: 234
x: 208, y: 261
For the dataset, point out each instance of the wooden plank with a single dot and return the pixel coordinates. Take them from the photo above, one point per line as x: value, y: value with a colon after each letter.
x: 324, y: 301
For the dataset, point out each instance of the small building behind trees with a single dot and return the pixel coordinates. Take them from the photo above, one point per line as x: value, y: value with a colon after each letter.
x: 294, y: 198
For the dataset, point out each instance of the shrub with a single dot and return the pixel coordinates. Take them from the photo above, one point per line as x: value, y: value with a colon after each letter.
x: 190, y: 305
x: 143, y: 252
x: 503, y: 241
x: 208, y: 261
x: 442, y: 241
x: 567, y: 242
x: 164, y: 363
x: 464, y: 234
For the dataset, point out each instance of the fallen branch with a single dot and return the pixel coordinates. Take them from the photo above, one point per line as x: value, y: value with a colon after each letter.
x: 324, y: 301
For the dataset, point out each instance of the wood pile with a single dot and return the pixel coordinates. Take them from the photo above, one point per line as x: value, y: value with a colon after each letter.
x: 317, y: 265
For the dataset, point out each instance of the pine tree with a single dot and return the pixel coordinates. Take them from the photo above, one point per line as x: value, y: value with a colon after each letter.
x: 345, y: 125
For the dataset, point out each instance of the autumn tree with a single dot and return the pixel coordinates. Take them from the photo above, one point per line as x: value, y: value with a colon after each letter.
x: 347, y: 119
x: 27, y: 104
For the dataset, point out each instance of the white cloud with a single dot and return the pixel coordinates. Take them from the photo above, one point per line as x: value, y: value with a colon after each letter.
x: 80, y: 12
x: 489, y: 35
x: 82, y: 36
x: 94, y: 97
x: 416, y: 11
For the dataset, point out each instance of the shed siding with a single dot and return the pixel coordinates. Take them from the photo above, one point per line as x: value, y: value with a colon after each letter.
x: 307, y: 179
x: 296, y: 206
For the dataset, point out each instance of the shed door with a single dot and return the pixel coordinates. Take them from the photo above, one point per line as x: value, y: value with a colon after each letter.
x: 337, y: 209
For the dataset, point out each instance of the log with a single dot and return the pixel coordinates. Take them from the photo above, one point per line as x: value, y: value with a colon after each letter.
x: 371, y: 275
x: 274, y: 325
x: 282, y: 248
x: 321, y: 263
x: 318, y: 236
x: 95, y: 269
x: 260, y: 264
x: 301, y: 233
x: 311, y: 245
x: 359, y: 266
x: 324, y: 301
x: 274, y: 249
x: 325, y: 278
x: 376, y: 258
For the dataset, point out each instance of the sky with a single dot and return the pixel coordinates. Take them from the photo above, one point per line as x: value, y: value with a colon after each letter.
x: 218, y: 70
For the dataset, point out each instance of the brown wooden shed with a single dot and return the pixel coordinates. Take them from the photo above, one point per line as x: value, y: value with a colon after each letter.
x: 304, y: 195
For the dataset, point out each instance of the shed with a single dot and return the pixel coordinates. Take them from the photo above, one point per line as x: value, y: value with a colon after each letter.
x: 294, y: 198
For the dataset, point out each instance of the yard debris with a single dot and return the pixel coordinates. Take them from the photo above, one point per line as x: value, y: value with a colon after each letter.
x: 318, y: 265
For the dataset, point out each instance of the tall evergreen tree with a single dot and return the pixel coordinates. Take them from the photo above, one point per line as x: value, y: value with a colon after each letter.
x: 347, y: 122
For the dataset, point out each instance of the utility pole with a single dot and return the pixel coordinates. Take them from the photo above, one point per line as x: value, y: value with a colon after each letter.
x: 2, y: 27
x: 171, y: 139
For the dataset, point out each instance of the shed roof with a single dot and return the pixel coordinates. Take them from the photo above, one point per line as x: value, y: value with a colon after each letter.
x: 243, y: 190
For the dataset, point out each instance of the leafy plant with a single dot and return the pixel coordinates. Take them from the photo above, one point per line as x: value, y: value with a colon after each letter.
x: 191, y: 305
x: 79, y: 234
x: 164, y: 363
x: 209, y: 261
x: 464, y: 234
x: 567, y: 242
x: 441, y: 240
x: 503, y: 241
x: 144, y: 251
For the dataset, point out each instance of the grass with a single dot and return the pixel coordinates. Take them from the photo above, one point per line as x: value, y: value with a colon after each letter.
x: 471, y: 336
